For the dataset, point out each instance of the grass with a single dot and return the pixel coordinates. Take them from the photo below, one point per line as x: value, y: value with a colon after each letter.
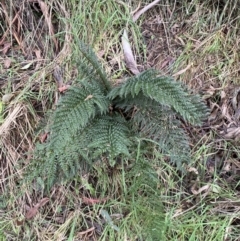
x: 114, y: 203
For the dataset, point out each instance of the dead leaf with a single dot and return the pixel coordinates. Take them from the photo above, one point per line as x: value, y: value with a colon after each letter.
x: 91, y: 201
x: 43, y: 137
x: 200, y: 190
x: 88, y: 97
x: 19, y: 222
x: 7, y: 63
x: 6, y: 47
x: 143, y: 10
x: 7, y: 97
x: 32, y: 212
x: 27, y: 65
x: 128, y: 54
x: 63, y: 88
x: 183, y: 70
x: 87, y: 231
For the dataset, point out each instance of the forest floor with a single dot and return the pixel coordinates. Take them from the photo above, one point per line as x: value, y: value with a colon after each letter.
x: 196, y: 42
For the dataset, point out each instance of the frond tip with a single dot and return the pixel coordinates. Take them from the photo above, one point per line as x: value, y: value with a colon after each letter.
x: 92, y: 60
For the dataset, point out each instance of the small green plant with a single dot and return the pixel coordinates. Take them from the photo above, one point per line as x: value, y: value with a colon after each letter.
x: 97, y: 121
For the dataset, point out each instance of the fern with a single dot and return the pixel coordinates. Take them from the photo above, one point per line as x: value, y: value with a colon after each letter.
x: 56, y: 163
x: 95, y: 120
x: 164, y: 129
x: 111, y: 134
x: 165, y: 91
x: 95, y: 66
x: 157, y: 122
x: 79, y: 106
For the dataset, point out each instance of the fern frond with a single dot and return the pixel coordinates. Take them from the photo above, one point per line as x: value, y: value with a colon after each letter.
x: 63, y: 156
x: 109, y: 135
x: 64, y: 152
x: 165, y: 130
x: 165, y: 91
x: 76, y: 109
x: 56, y: 163
x: 92, y: 60
x: 158, y: 123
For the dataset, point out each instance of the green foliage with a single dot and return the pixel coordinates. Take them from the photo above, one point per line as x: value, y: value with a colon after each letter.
x: 111, y: 134
x: 165, y: 91
x: 138, y: 197
x: 94, y: 69
x: 95, y: 120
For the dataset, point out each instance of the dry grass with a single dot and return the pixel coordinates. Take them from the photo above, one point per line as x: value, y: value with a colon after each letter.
x: 197, y: 42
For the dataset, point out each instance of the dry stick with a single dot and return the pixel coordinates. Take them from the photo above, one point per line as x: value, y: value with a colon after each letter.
x: 142, y: 11
x: 128, y: 54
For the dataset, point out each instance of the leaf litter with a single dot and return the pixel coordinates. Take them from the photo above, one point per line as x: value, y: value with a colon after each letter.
x: 32, y: 212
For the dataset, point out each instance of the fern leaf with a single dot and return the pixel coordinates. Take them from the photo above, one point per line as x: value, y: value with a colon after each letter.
x: 76, y: 109
x: 83, y: 129
x: 91, y: 59
x: 165, y: 91
x: 158, y: 123
x: 55, y: 163
x: 165, y: 130
x: 109, y: 135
